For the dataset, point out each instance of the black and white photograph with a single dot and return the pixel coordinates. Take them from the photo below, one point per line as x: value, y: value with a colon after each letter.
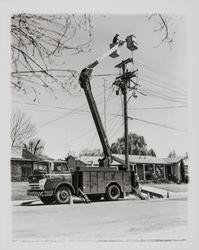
x: 99, y: 137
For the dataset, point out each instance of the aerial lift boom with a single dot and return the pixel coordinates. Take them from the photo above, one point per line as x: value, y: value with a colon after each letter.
x: 84, y: 81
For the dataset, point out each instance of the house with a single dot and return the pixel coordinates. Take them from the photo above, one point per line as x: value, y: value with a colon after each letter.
x: 73, y: 163
x: 186, y: 169
x: 178, y: 168
x: 92, y: 161
x: 147, y: 167
x: 21, y: 164
x: 144, y: 166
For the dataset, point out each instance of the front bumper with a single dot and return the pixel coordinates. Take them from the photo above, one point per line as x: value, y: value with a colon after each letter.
x: 39, y: 193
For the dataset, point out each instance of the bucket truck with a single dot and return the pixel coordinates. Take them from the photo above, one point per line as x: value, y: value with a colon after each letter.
x: 91, y: 183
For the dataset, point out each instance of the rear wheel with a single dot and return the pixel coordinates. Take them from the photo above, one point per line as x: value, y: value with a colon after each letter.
x: 47, y: 199
x: 63, y: 195
x: 113, y: 193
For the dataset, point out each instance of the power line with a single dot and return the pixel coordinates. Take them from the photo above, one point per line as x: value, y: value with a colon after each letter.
x: 116, y: 131
x: 157, y: 124
x: 181, y: 92
x: 80, y: 110
x: 154, y: 108
x: 164, y: 95
x: 171, y: 93
x: 155, y: 70
x: 160, y: 96
x: 67, y: 114
x: 153, y: 123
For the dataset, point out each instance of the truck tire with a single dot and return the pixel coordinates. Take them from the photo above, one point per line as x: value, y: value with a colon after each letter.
x: 63, y: 195
x: 113, y: 193
x: 47, y: 199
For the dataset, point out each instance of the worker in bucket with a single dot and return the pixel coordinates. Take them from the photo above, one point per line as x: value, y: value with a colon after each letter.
x: 115, y: 39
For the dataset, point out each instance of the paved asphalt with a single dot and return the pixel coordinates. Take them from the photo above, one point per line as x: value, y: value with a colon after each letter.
x: 124, y: 220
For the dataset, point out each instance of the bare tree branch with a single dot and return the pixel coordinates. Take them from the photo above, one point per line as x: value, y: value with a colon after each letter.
x: 37, y: 42
x: 22, y: 128
x: 163, y: 27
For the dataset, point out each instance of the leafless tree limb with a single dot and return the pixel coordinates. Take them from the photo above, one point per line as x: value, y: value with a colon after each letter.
x: 37, y: 42
x: 163, y: 28
x: 35, y: 146
x: 22, y: 128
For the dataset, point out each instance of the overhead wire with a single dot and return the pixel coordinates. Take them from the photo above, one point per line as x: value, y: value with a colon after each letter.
x: 155, y: 70
x: 157, y: 124
x: 67, y: 114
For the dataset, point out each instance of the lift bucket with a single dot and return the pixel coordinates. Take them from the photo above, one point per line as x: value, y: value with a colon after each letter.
x: 131, y: 43
x: 116, y: 53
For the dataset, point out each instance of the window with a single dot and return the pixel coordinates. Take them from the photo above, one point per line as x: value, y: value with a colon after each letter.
x: 41, y: 167
x: 60, y: 166
x: 25, y: 171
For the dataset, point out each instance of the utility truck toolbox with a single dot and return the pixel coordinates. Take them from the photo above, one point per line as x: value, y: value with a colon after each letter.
x: 104, y: 180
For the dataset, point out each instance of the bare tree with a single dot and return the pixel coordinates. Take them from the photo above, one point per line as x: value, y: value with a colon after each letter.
x: 22, y: 128
x: 172, y: 153
x: 35, y: 146
x: 91, y: 152
x: 38, y: 41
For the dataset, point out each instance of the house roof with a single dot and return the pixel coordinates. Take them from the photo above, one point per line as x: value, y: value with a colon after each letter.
x: 175, y: 159
x: 19, y: 153
x: 93, y: 160
x: 142, y: 159
x: 186, y: 161
x: 145, y: 159
x: 132, y: 159
x: 16, y: 152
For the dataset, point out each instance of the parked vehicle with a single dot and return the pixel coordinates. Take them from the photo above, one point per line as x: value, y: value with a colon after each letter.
x: 88, y: 183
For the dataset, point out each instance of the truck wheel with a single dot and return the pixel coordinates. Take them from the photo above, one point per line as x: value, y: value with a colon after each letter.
x: 63, y: 195
x: 47, y: 199
x: 113, y: 193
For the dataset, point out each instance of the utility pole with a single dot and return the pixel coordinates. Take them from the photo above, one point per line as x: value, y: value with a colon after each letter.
x: 66, y: 142
x: 104, y: 104
x: 123, y: 84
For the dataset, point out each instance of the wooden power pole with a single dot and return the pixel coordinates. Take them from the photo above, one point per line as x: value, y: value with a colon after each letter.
x: 123, y: 83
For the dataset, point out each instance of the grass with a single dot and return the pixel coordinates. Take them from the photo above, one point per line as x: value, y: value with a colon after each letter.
x: 19, y: 190
x: 172, y: 187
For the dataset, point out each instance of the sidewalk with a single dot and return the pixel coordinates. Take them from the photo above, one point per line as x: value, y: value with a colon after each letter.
x: 164, y: 192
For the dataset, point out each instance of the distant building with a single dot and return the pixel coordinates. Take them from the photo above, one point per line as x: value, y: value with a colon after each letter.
x: 147, y: 167
x: 179, y: 168
x: 73, y: 163
x: 21, y: 164
x: 92, y: 161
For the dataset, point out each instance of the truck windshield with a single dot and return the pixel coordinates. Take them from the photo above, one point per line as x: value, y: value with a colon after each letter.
x: 40, y: 168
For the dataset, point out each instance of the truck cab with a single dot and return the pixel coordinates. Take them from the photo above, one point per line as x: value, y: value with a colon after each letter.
x: 51, y: 182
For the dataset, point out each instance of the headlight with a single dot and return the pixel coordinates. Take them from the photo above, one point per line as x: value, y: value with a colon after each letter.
x: 42, y: 183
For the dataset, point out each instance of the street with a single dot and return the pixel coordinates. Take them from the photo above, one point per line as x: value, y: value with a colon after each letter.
x: 124, y: 220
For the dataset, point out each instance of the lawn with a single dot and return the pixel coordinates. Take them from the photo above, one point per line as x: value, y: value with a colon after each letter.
x: 172, y: 187
x: 19, y: 190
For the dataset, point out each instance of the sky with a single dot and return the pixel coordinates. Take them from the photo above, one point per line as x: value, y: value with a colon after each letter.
x: 160, y: 115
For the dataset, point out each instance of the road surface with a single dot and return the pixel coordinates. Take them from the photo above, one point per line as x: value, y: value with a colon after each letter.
x: 124, y: 220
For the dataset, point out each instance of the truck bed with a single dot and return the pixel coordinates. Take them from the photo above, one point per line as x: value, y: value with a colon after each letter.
x: 96, y: 180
